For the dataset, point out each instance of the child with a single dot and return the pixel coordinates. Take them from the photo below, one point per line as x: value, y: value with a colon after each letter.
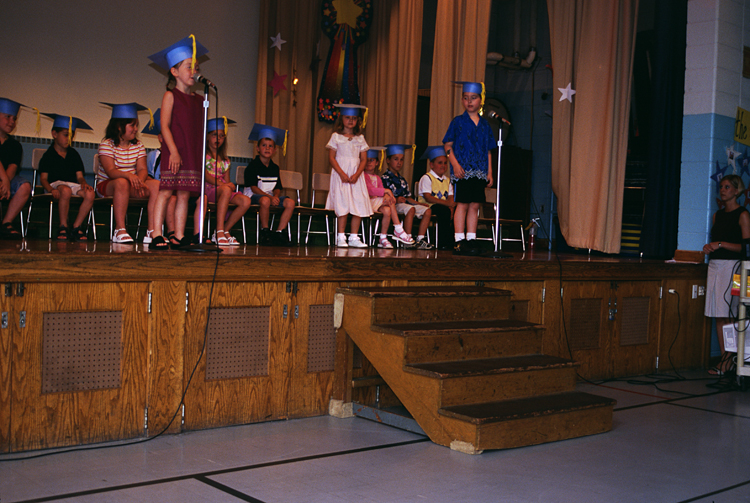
x: 382, y: 201
x: 405, y: 202
x: 468, y: 142
x: 218, y: 188
x: 436, y: 190
x: 123, y: 160
x: 153, y: 163
x: 61, y: 173
x: 263, y: 185
x: 182, y: 132
x: 347, y: 157
x: 12, y: 185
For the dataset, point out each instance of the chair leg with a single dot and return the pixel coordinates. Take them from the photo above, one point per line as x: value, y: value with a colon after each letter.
x: 309, y: 223
x: 23, y: 232
x: 138, y: 229
x: 111, y: 222
x: 50, y: 220
x: 523, y: 241
x: 244, y: 234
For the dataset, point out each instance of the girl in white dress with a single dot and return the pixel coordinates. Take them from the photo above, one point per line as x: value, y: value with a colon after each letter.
x: 348, y: 193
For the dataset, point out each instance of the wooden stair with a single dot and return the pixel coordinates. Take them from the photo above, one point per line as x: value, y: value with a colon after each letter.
x: 472, y: 378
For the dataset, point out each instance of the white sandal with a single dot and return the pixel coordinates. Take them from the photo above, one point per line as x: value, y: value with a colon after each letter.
x: 403, y: 237
x: 384, y: 243
x: 121, y: 236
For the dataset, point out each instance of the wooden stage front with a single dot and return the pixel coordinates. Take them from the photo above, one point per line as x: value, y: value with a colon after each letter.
x: 99, y: 341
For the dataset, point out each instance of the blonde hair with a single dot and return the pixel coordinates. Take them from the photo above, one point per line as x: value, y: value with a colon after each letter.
x: 736, y: 182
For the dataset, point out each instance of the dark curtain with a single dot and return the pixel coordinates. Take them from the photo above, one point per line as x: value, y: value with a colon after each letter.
x: 662, y: 199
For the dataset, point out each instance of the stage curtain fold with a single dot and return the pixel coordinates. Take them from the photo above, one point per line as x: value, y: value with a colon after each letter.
x: 390, y: 74
x: 461, y: 31
x: 592, y: 50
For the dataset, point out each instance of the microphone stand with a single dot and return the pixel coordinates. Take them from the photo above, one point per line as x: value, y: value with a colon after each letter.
x: 498, y: 236
x: 201, y: 246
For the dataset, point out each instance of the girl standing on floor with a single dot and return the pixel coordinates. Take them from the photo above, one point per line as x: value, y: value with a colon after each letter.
x: 182, y: 131
x: 347, y: 155
x: 219, y: 189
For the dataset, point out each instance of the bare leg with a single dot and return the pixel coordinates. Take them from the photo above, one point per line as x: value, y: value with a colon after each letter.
x: 83, y: 211
x: 286, y: 215
x: 17, y: 202
x: 243, y: 204
x: 341, y: 224
x: 409, y: 221
x: 472, y: 218
x: 162, y: 199
x: 170, y: 212
x: 63, y: 204
x: 459, y: 218
x: 426, y: 222
x: 386, y: 211
x: 119, y: 189
x: 354, y: 227
x: 180, y: 213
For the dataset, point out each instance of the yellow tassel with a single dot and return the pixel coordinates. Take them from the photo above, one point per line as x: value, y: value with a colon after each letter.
x: 151, y: 122
x: 283, y: 150
x: 481, y: 106
x: 382, y: 158
x: 38, y: 127
x: 226, y: 126
x: 70, y: 131
x: 413, y: 151
x: 364, y: 118
x: 192, y: 61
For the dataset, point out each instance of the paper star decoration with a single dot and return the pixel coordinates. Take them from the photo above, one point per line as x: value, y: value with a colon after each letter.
x: 567, y: 93
x: 732, y: 156
x: 277, y: 41
x: 719, y: 174
x: 277, y: 83
x: 347, y: 12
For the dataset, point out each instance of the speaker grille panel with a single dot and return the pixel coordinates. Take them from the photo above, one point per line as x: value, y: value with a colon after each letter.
x: 81, y: 351
x: 321, y: 339
x: 585, y: 317
x: 634, y: 321
x: 237, y: 345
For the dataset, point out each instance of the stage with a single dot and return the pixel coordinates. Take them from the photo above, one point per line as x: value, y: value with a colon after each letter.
x: 102, y: 339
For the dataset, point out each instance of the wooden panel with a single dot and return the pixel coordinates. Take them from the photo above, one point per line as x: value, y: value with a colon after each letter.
x: 166, y: 347
x: 245, y: 399
x: 55, y: 419
x: 237, y: 342
x: 6, y: 342
x: 629, y: 358
x: 310, y: 391
x: 685, y: 338
x: 595, y: 362
x: 321, y: 339
x: 585, y: 324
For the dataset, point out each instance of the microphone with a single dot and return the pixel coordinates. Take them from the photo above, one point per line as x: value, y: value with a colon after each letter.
x: 203, y: 80
x: 494, y: 115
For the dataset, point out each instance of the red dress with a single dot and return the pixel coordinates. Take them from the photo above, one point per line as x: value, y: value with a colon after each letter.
x: 187, y: 130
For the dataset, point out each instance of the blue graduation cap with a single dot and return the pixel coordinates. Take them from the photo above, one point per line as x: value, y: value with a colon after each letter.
x: 9, y: 107
x: 261, y: 131
x: 399, y: 148
x: 155, y: 127
x: 125, y: 110
x: 353, y: 111
x: 220, y: 124
x: 186, y: 48
x: 433, y: 152
x: 374, y: 152
x: 67, y: 122
x: 471, y: 87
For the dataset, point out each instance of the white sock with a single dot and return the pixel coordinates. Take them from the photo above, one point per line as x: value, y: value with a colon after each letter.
x: 471, y: 236
x: 341, y: 235
x: 420, y: 238
x: 459, y: 236
x: 399, y: 227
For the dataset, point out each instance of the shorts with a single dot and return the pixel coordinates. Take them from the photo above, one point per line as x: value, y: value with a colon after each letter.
x: 470, y: 190
x: 718, y: 287
x: 255, y: 198
x: 16, y: 183
x: 75, y: 188
x: 419, y: 210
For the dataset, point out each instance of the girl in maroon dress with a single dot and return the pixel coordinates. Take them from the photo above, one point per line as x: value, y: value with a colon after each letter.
x: 182, y: 130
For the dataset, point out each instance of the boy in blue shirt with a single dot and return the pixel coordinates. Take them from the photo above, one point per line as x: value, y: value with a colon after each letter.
x: 12, y: 185
x: 467, y: 143
x: 61, y: 174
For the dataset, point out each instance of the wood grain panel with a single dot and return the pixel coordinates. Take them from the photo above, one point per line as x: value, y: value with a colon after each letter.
x: 595, y: 363
x: 56, y: 419
x: 245, y: 399
x: 635, y: 359
x: 685, y: 337
x: 166, y: 350
x: 6, y: 342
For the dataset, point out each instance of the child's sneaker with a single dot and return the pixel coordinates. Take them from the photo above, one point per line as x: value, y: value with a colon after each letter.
x: 384, y: 243
x: 422, y: 244
x: 341, y: 242
x: 403, y: 237
x: 355, y: 242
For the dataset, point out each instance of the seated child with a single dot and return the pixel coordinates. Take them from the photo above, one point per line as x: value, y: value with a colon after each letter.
x: 405, y: 202
x: 436, y: 190
x: 61, y: 173
x: 12, y: 185
x: 382, y: 201
x: 153, y: 164
x: 218, y: 188
x: 263, y: 185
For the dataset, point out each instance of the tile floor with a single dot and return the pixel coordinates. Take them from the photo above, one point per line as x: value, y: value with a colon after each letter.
x: 684, y: 441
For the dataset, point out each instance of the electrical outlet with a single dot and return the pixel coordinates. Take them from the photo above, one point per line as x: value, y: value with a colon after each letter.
x: 695, y: 291
x: 701, y: 291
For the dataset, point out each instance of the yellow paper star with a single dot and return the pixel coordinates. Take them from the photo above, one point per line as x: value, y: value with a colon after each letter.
x: 347, y: 12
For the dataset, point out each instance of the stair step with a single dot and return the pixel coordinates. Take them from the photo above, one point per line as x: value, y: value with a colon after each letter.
x: 522, y: 408
x: 486, y: 366
x: 420, y: 304
x: 454, y: 327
